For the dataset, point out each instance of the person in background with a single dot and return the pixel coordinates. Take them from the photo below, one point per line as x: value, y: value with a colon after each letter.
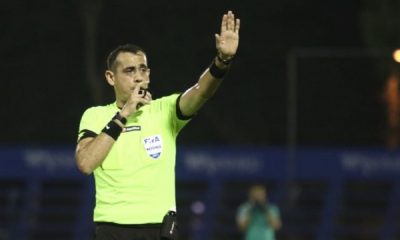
x: 257, y: 218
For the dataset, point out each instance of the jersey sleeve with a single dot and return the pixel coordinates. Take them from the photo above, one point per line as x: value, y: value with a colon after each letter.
x: 274, y: 210
x: 242, y: 213
x: 88, y: 126
x: 178, y: 121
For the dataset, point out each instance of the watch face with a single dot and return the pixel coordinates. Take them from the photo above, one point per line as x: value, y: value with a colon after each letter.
x: 224, y: 61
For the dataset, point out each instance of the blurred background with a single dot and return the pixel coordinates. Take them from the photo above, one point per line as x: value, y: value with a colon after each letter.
x: 310, y: 109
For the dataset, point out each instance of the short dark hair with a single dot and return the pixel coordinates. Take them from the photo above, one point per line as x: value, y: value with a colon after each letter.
x: 122, y: 48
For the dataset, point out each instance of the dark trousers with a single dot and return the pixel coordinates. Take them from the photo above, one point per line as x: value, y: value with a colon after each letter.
x: 112, y: 231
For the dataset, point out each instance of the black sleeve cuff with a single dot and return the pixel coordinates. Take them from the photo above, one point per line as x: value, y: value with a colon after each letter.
x: 179, y: 113
x: 86, y: 134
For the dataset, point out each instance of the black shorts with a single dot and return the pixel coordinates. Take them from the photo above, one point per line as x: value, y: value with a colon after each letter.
x: 113, y: 231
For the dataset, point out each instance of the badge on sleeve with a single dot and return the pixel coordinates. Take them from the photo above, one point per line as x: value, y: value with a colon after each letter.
x: 153, y: 145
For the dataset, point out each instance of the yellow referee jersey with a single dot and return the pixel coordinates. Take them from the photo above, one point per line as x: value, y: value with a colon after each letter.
x: 136, y: 182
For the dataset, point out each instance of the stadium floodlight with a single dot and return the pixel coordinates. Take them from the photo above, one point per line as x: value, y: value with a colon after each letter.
x: 396, y: 55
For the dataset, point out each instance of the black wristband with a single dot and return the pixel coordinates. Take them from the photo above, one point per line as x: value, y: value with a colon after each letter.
x: 120, y: 118
x: 216, y: 71
x: 112, y: 129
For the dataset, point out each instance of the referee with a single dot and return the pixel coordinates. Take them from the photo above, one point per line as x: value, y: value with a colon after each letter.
x: 129, y: 145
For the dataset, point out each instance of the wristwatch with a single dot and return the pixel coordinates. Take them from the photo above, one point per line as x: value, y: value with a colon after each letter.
x: 224, y: 61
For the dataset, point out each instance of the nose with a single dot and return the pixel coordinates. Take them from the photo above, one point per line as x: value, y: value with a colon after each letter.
x: 137, y: 77
x: 138, y: 80
x: 145, y: 84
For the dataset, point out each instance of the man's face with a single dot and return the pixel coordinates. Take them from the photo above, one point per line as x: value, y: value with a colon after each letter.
x: 130, y: 70
x: 258, y: 194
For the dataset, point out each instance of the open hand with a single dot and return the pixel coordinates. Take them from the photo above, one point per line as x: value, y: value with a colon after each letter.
x: 227, y: 41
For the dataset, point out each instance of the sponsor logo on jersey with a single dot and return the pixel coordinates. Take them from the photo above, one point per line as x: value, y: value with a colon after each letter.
x: 132, y: 128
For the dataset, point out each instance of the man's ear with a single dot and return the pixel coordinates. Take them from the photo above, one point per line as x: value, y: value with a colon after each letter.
x: 110, y: 77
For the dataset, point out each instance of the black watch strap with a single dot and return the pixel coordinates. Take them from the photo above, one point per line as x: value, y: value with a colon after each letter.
x: 224, y: 61
x: 120, y: 118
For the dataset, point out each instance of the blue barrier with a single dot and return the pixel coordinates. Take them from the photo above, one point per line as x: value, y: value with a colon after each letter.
x: 43, y: 195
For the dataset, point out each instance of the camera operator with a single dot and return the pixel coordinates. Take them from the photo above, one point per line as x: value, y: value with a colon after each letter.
x: 258, y: 218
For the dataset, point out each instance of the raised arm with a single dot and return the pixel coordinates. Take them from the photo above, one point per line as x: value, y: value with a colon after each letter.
x: 226, y: 43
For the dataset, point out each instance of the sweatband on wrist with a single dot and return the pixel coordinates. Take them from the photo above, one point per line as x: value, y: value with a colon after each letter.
x: 112, y: 129
x: 216, y: 71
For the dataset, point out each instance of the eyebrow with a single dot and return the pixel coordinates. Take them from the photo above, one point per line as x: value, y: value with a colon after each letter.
x: 133, y: 67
